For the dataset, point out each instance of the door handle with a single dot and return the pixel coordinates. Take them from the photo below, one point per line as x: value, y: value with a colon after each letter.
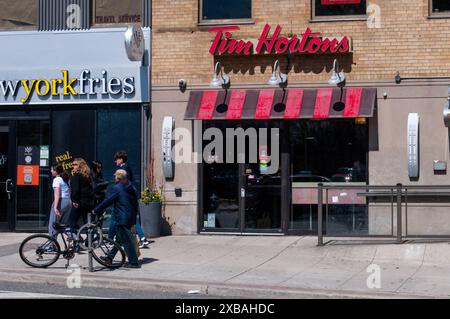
x: 9, y: 187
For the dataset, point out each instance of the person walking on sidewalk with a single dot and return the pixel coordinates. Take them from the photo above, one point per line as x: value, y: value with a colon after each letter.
x: 60, y: 210
x: 81, y: 192
x: 121, y: 160
x: 99, y: 184
x: 124, y: 197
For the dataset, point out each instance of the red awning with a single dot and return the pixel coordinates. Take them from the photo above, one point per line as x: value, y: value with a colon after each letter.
x: 281, y: 104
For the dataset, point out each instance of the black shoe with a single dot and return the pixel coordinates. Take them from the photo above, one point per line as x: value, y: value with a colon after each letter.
x: 128, y: 265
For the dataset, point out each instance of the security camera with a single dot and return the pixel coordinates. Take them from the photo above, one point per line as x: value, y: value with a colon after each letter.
x: 182, y: 84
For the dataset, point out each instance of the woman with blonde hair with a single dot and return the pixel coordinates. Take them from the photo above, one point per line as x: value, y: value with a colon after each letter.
x: 81, y: 192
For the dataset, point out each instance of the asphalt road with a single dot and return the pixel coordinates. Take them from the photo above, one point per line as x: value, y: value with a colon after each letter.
x: 38, y: 291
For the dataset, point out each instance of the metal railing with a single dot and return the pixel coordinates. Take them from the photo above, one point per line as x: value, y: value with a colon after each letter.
x: 396, y: 195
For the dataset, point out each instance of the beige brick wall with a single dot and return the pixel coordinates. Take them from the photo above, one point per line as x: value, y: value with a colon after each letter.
x: 407, y: 41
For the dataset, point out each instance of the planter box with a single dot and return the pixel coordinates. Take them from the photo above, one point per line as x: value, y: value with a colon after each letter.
x: 151, y: 219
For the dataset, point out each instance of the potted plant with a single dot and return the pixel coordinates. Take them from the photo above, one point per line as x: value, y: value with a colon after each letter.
x: 150, y: 206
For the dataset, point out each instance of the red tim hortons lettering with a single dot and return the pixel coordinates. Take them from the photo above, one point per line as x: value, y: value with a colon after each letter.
x: 228, y: 45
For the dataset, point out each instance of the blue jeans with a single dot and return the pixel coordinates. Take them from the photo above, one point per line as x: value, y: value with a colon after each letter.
x: 125, y: 240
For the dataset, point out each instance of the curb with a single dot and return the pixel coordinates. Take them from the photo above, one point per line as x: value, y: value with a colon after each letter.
x: 205, y: 289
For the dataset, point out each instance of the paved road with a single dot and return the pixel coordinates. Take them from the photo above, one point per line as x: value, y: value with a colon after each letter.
x: 39, y: 291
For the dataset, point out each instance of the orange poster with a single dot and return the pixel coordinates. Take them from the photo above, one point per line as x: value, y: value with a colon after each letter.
x: 28, y: 175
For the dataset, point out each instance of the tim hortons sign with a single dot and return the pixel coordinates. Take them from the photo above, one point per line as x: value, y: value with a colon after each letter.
x: 308, y: 43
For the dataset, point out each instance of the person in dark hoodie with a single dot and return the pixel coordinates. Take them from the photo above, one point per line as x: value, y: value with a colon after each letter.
x: 81, y: 192
x: 124, y: 197
x: 121, y: 160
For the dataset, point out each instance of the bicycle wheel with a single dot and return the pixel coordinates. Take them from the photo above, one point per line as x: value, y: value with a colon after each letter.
x: 39, y: 251
x: 104, y: 251
x: 97, y: 236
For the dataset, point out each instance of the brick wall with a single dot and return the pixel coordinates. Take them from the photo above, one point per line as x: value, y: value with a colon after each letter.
x: 407, y: 41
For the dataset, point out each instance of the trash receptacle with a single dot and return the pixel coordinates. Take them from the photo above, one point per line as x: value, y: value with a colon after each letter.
x: 151, y: 218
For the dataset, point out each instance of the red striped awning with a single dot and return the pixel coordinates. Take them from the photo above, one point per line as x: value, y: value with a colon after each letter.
x: 263, y: 104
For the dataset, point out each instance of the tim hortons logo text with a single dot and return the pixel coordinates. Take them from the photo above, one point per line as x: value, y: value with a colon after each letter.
x: 83, y: 85
x: 307, y: 42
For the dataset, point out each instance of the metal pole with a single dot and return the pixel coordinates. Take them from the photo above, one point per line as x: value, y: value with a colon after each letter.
x: 320, y: 215
x: 91, y: 267
x: 399, y: 213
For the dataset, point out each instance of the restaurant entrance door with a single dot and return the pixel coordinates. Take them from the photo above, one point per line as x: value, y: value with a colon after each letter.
x: 242, y: 187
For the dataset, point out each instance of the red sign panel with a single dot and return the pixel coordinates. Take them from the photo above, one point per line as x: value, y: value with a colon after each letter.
x: 264, y: 105
x: 323, y: 102
x: 305, y: 42
x: 28, y: 175
x: 293, y: 104
x: 331, y: 2
x: 207, y: 105
x: 352, y: 102
x: 236, y: 105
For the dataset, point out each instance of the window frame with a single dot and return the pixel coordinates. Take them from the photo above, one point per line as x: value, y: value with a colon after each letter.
x: 436, y: 15
x: 353, y: 17
x: 112, y: 25
x: 207, y: 22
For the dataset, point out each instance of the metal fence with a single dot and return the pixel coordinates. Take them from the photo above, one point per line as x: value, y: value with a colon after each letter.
x: 397, y: 197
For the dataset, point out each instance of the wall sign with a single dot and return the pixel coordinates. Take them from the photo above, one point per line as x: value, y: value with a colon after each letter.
x: 308, y: 42
x: 166, y: 146
x: 413, y: 145
x: 66, y: 86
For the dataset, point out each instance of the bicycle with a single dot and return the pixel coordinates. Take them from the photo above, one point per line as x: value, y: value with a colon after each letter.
x: 42, y: 251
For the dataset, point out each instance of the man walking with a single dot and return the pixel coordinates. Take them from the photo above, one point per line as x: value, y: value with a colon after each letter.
x: 124, y: 197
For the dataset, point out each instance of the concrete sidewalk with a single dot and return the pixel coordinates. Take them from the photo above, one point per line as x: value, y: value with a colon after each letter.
x: 260, y: 266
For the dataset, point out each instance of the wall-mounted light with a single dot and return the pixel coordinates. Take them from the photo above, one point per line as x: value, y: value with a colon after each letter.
x: 337, y: 78
x: 279, y: 79
x: 224, y: 79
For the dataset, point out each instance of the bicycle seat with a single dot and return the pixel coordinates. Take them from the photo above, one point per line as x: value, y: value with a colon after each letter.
x: 59, y: 227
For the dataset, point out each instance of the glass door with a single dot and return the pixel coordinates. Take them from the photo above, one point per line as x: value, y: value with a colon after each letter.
x: 261, y: 180
x: 33, y: 175
x: 241, y: 177
x: 6, y: 177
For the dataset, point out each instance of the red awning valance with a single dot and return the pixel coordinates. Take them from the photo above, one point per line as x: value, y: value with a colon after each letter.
x: 263, y: 104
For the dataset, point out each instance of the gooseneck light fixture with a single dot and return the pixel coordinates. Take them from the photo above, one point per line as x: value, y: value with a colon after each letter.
x: 337, y: 78
x: 224, y: 79
x: 279, y: 79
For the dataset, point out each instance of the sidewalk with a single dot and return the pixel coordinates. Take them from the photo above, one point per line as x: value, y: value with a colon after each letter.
x: 258, y: 266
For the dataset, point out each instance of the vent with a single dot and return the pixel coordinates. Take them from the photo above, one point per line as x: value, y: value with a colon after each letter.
x: 57, y: 15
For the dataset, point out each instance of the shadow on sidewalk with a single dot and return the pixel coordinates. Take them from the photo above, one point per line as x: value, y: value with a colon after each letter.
x: 146, y: 260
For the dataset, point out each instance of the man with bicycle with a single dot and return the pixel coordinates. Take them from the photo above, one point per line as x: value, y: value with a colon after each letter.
x: 124, y: 197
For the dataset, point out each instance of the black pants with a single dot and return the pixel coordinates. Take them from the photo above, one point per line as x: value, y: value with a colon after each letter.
x: 75, y: 214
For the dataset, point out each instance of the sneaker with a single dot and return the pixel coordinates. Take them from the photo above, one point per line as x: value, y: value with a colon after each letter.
x: 144, y: 242
x: 106, y: 260
x: 128, y: 265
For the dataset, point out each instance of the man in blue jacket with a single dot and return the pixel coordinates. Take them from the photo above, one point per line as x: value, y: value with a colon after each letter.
x: 124, y: 197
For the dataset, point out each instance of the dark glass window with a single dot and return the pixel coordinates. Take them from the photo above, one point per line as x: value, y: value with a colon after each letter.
x: 117, y: 12
x: 327, y: 8
x: 19, y: 14
x: 440, y: 6
x: 329, y: 151
x: 226, y: 9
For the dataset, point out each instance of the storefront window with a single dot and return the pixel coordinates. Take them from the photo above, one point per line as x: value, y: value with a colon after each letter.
x: 117, y: 12
x: 338, y: 8
x: 19, y: 14
x: 440, y: 7
x: 225, y: 10
x: 328, y: 151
